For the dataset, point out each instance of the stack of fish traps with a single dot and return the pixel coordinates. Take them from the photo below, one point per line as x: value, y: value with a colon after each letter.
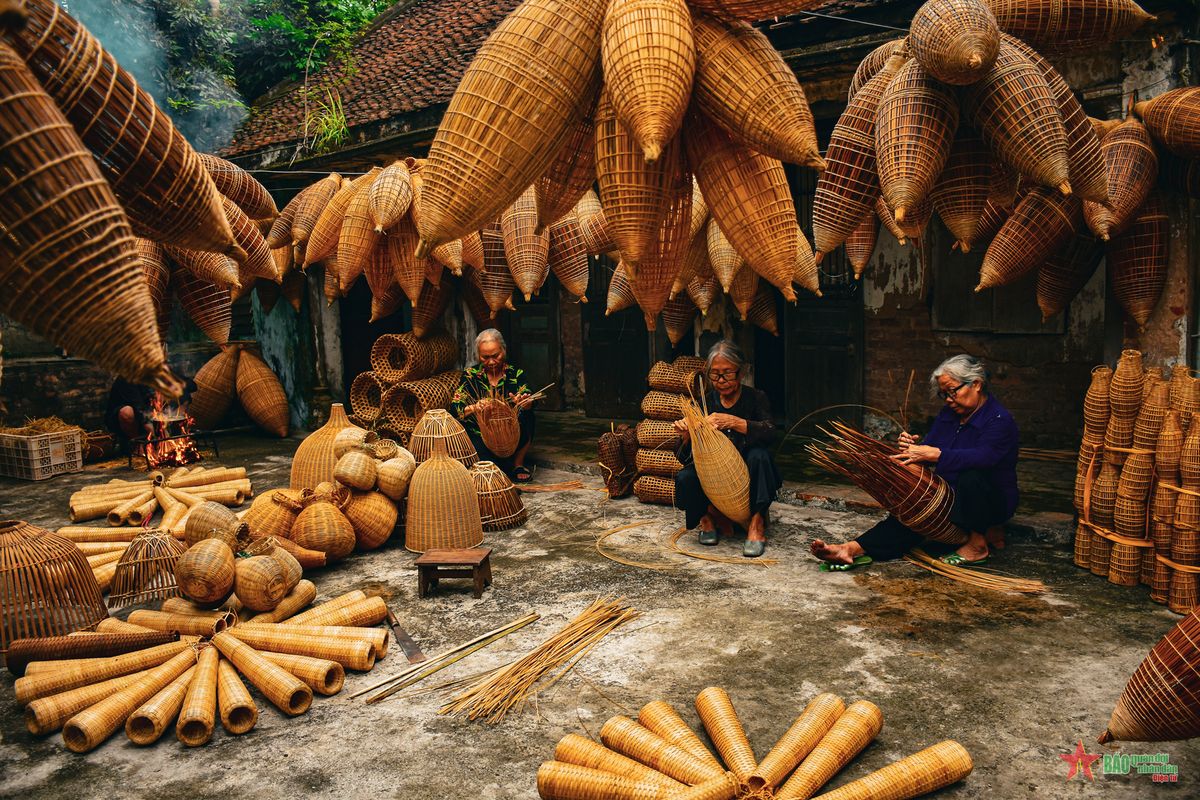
x: 1137, y: 485
x: 655, y: 461
x: 408, y: 376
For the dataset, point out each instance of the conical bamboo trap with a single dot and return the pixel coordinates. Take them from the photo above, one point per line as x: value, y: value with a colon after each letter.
x: 262, y: 395
x: 443, y: 508
x: 437, y: 424
x: 1064, y: 27
x: 955, y: 40
x: 1173, y: 119
x: 500, y: 505
x: 719, y: 466
x: 569, y: 176
x: 240, y: 187
x: 1137, y: 259
x: 1132, y: 166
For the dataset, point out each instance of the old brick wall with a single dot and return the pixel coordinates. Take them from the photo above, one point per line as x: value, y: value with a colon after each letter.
x: 570, y: 327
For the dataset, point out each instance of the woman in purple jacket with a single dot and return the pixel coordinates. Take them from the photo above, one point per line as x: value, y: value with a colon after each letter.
x: 972, y: 445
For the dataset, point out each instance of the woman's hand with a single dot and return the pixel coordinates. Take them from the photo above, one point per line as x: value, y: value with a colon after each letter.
x: 919, y: 454
x: 727, y: 422
x: 907, y: 439
x: 681, y: 428
x: 471, y: 409
x: 520, y: 400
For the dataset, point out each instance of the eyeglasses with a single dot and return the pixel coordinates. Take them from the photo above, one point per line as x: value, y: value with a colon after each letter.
x: 722, y: 375
x: 948, y: 394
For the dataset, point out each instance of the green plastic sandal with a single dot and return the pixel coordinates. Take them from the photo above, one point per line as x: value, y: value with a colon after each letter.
x: 859, y: 561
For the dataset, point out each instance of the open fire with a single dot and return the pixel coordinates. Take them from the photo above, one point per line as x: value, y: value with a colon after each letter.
x: 169, y: 443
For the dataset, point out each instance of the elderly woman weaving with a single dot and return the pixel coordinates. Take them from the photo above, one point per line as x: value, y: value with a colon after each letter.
x: 494, y: 377
x: 973, y: 446
x: 743, y: 414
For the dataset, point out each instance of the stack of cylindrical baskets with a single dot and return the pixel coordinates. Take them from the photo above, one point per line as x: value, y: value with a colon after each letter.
x: 1137, y: 487
x: 408, y: 376
x: 654, y: 462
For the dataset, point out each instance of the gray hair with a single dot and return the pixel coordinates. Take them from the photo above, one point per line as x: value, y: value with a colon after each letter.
x: 730, y: 352
x: 962, y: 368
x: 490, y: 335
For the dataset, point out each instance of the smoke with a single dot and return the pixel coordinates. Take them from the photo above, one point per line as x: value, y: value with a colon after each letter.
x: 205, y: 106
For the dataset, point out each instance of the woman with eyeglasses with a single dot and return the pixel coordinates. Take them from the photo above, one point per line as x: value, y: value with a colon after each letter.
x: 742, y: 413
x: 973, y: 445
x: 493, y: 376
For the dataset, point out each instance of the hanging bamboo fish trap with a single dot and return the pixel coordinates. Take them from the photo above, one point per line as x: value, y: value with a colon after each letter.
x: 917, y: 497
x: 762, y: 312
x: 955, y: 40
x: 526, y: 248
x: 1042, y: 223
x: 240, y: 187
x: 703, y: 292
x: 742, y: 290
x: 215, y: 268
x: 443, y: 509
x: 719, y: 466
x: 594, y: 224
x: 750, y: 10
x: 1061, y: 27
x: 500, y: 505
x: 1015, y: 111
x: 405, y: 268
x: 390, y: 195
x: 314, y: 458
x: 357, y: 238
x: 261, y: 394
x: 872, y: 63
x: 146, y: 570
x: 1063, y: 275
x: 848, y: 186
x: 485, y: 138
x: 258, y: 260
x: 568, y: 256
x: 49, y: 588
x: 437, y: 424
x: 155, y: 174
x: 157, y: 273
x: 1137, y: 260
x: 207, y: 305
x: 326, y: 233
x: 678, y: 316
x: 743, y: 83
x: 1132, y: 168
x: 652, y: 281
x: 311, y: 202
x: 570, y: 175
x: 724, y: 259
x: 962, y: 188
x: 1173, y: 118
x: 620, y: 293
x: 427, y: 313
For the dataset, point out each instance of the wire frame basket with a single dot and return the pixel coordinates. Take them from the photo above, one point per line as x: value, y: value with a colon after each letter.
x: 500, y: 505
x: 206, y: 304
x: 526, y: 245
x: 655, y: 489
x: 146, y: 570
x: 48, y: 588
x: 1173, y: 118
x: 568, y: 256
x: 1043, y: 222
x: 570, y: 175
x: 1132, y: 170
x: 437, y: 424
x: 486, y: 139
x: 743, y: 83
x: 314, y: 459
x: 662, y: 406
x: 658, y: 462
x: 1014, y: 109
x: 1045, y: 25
x: 1137, y: 259
x: 955, y: 40
x: 849, y: 185
x: 443, y: 508
x: 157, y: 176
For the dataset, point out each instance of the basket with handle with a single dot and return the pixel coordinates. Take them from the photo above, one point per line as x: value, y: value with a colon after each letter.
x: 322, y: 526
x: 570, y: 174
x: 955, y: 40
x: 500, y: 504
x: 443, y: 508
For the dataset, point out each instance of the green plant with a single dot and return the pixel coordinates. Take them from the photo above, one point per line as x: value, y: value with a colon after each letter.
x: 326, y: 124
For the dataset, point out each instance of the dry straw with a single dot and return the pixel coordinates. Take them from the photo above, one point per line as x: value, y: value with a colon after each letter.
x: 846, y: 738
x: 288, y: 693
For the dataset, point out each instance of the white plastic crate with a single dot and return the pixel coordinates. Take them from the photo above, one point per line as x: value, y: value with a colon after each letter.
x: 41, y: 455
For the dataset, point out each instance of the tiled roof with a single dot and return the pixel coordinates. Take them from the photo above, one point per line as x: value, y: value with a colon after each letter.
x: 411, y: 59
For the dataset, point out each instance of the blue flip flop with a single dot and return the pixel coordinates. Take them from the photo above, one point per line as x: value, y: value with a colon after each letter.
x: 859, y: 561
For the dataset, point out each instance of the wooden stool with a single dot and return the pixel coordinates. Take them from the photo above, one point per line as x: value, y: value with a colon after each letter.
x: 470, y: 563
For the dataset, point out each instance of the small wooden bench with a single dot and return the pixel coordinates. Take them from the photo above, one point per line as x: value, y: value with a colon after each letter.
x: 434, y: 565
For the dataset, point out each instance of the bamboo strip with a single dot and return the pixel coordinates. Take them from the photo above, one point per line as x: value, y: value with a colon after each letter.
x: 726, y: 731
x: 47, y: 714
x: 794, y: 746
x: 853, y: 731
x: 149, y: 721
x: 197, y: 718
x: 661, y: 718
x: 33, y: 687
x: 288, y: 693
x: 238, y: 711
x: 303, y: 593
x: 322, y: 675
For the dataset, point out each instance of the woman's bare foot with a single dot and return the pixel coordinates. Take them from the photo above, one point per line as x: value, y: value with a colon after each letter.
x: 995, y: 537
x: 723, y: 523
x: 836, y: 553
x: 975, y: 549
x: 757, y: 532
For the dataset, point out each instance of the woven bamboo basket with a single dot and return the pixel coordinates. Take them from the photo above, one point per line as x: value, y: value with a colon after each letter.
x: 655, y: 489
x: 860, y: 244
x: 558, y: 780
x: 873, y: 62
x: 1151, y: 416
x: 396, y: 412
x: 443, y: 508
x: 322, y: 526
x: 353, y: 648
x: 658, y: 462
x: 1054, y: 25
x: 197, y: 715
x: 923, y: 772
x: 449, y: 256
x: 390, y: 195
x: 150, y: 720
x: 259, y: 582
x: 185, y: 624
x: 273, y: 513
x: 805, y: 733
x: 914, y: 130
x: 285, y: 691
x: 404, y: 357
x: 56, y: 650
x: 726, y: 731
x: 437, y: 424
x: 318, y: 612
x: 719, y: 466
x: 678, y: 316
x: 747, y: 194
x: 215, y: 391
x: 568, y: 256
x: 237, y: 710
x: 649, y: 60
x: 661, y: 718
x: 361, y: 613
x: 357, y: 469
x: 393, y: 475
x: 357, y: 238
x: 146, y: 570
x: 961, y: 190
x: 280, y: 232
x: 486, y: 139
x: 1173, y: 118
x: 703, y: 292
x: 311, y: 202
x: 666, y: 377
x: 373, y: 517
x: 1137, y: 259
x: 314, y: 459
x: 215, y: 268
x: 322, y: 243
x: 157, y: 273
x: 1042, y: 223
x: 651, y: 282
x: 526, y: 249
x: 400, y: 264
x: 500, y: 504
x: 321, y: 675
x: 1132, y: 169
x: 301, y: 596
x: 262, y: 395
x: 155, y: 174
x: 1063, y: 275
x: 1103, y: 500
x: 89, y: 671
x: 292, y: 569
x: 657, y: 435
x: 762, y: 312
x: 1134, y: 483
x: 472, y: 254
x: 1015, y: 111
x: 90, y: 727
x: 635, y: 194
x: 751, y: 10
x: 258, y: 261
x: 427, y: 313
x: 49, y: 590
x: 1161, y: 701
x: 620, y: 293
x: 956, y: 41
x: 1125, y: 387
x: 105, y: 314
x: 207, y: 305
x: 631, y: 739
x: 1181, y: 175
x: 474, y: 300
x: 662, y: 406
x: 744, y: 85
x: 413, y: 399
x: 594, y: 224
x: 854, y: 730
x: 847, y: 188
x: 695, y: 262
x: 240, y: 186
x: 1117, y: 439
x: 584, y: 752
x: 618, y: 475
x: 498, y: 426
x: 724, y: 259
x: 568, y: 177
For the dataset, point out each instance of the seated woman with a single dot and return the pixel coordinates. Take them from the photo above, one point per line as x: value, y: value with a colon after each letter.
x: 493, y: 376
x: 973, y: 445
x: 127, y: 412
x: 742, y: 413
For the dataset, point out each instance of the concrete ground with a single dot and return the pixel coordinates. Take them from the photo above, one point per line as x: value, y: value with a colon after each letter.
x: 1017, y: 680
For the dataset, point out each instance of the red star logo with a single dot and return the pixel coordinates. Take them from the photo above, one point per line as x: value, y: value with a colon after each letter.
x: 1079, y: 760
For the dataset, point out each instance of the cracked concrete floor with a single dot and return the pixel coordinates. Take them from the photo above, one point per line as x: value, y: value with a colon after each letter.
x: 1017, y: 680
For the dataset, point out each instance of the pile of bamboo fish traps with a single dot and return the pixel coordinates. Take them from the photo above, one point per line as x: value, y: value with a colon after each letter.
x: 966, y: 118
x: 188, y: 666
x: 660, y: 756
x: 129, y: 509
x: 408, y: 375
x: 1137, y: 488
x: 238, y: 373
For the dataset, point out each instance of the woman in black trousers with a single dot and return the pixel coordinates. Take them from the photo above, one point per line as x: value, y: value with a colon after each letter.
x: 742, y: 413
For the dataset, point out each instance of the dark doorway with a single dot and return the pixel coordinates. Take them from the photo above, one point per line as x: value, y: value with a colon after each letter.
x: 616, y: 351
x: 359, y: 333
x: 531, y: 333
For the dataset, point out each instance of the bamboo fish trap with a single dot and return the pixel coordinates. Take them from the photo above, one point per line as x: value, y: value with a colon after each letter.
x: 240, y: 187
x: 314, y: 459
x: 1137, y: 260
x: 1173, y: 118
x: 1059, y: 26
x: 443, y: 508
x: 146, y: 570
x: 1132, y: 167
x: 568, y: 256
x: 437, y: 424
x: 500, y: 505
x: 719, y: 466
x: 262, y: 395
x: 498, y: 426
x: 569, y: 176
x: 655, y: 489
x: 956, y: 41
x: 916, y: 497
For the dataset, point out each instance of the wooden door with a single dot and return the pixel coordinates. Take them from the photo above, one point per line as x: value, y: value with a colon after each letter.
x: 616, y: 351
x: 531, y: 333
